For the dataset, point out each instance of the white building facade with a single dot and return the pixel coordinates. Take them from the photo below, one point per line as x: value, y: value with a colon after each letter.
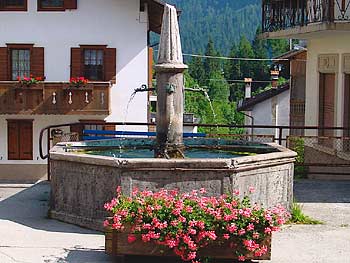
x: 105, y: 41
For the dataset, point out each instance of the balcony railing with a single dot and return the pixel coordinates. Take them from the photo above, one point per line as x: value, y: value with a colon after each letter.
x: 283, y: 14
x: 54, y: 98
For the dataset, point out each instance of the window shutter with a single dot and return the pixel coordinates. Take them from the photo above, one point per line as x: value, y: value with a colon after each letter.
x: 13, y: 140
x: 70, y: 4
x: 4, y: 64
x: 75, y: 70
x: 37, y: 62
x: 26, y: 140
x: 109, y: 127
x: 110, y: 63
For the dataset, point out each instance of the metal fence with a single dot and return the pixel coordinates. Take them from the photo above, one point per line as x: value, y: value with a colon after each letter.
x: 317, y: 154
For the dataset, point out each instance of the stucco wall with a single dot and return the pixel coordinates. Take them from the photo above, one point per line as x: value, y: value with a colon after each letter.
x: 117, y: 23
x: 336, y: 43
x: 273, y: 111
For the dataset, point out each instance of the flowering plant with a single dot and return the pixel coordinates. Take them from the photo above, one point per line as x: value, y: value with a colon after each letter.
x: 188, y: 222
x: 78, y: 81
x: 29, y: 81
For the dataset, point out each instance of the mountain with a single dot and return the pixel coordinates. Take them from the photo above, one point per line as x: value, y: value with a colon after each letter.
x: 225, y: 21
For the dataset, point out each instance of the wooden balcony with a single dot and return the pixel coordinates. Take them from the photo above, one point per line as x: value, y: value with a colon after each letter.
x: 292, y: 18
x: 55, y: 98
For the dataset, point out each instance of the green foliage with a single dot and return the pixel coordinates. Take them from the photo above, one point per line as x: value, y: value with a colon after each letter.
x: 298, y: 145
x: 298, y: 217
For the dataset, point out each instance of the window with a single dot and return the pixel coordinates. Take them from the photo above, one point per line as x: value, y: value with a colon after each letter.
x: 20, y: 63
x: 44, y: 4
x: 13, y: 5
x: 19, y: 60
x: 56, y: 5
x: 93, y: 64
x: 20, y: 139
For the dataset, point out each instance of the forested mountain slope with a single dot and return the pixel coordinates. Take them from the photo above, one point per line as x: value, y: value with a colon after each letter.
x: 225, y: 21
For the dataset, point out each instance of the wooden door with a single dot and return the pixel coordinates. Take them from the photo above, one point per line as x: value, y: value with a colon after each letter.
x: 20, y: 139
x: 327, y: 106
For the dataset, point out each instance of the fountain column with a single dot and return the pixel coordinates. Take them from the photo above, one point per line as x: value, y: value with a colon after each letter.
x: 170, y: 88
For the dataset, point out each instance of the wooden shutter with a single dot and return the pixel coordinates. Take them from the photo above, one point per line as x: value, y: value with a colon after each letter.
x: 70, y: 4
x: 13, y: 140
x: 326, y: 106
x: 37, y: 63
x: 109, y: 127
x: 26, y: 140
x: 4, y: 64
x: 110, y: 63
x: 75, y: 68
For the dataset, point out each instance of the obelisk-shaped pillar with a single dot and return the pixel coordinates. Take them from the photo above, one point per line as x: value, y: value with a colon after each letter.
x: 170, y: 88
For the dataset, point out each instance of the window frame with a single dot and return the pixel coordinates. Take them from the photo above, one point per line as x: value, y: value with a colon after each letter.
x: 11, y: 47
x: 93, y: 47
x: 11, y: 63
x: 44, y: 9
x: 23, y: 8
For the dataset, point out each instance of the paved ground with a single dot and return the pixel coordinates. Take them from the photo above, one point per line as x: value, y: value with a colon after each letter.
x: 27, y: 236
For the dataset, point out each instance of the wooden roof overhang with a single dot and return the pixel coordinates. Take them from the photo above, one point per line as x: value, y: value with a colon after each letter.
x: 155, y: 14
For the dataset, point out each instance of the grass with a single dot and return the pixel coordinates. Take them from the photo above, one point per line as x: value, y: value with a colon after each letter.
x: 298, y: 217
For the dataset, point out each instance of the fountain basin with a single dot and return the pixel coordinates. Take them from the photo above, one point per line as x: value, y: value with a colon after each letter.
x: 82, y: 182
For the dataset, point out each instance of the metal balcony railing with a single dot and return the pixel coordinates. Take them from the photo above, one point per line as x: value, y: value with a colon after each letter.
x: 284, y: 14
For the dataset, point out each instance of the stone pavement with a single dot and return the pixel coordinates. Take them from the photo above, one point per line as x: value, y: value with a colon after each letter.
x: 28, y: 236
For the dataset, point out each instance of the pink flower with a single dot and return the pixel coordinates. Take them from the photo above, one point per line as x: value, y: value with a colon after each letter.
x: 267, y: 230
x: 250, y: 227
x: 202, y: 191
x: 211, y: 235
x: 236, y: 192
x: 232, y: 228
x: 256, y: 235
x: 251, y: 189
x: 226, y: 236
x: 241, y: 258
x: 241, y: 232
x: 105, y: 223
x: 189, y: 209
x: 131, y: 238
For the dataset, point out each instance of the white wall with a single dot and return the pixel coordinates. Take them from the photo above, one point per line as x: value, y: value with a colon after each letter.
x: 274, y: 111
x: 116, y: 23
x: 330, y: 43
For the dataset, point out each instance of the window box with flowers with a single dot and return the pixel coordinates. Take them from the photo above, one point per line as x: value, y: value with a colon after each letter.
x: 78, y: 83
x: 29, y: 82
x: 190, y: 226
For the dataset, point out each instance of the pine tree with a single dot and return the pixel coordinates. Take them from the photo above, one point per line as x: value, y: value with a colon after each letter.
x: 196, y: 70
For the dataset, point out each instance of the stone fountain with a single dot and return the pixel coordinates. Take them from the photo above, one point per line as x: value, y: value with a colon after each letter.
x: 83, y: 181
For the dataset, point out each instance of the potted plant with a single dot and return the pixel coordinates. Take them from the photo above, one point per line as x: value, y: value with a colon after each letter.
x: 191, y: 225
x: 78, y: 82
x: 29, y: 81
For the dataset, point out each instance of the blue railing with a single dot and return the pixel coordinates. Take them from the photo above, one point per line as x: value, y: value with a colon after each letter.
x: 89, y: 135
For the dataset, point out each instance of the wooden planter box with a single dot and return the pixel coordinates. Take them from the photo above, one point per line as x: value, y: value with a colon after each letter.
x: 116, y: 244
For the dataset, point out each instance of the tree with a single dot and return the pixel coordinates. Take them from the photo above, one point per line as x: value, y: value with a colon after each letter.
x: 196, y: 70
x: 211, y: 65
